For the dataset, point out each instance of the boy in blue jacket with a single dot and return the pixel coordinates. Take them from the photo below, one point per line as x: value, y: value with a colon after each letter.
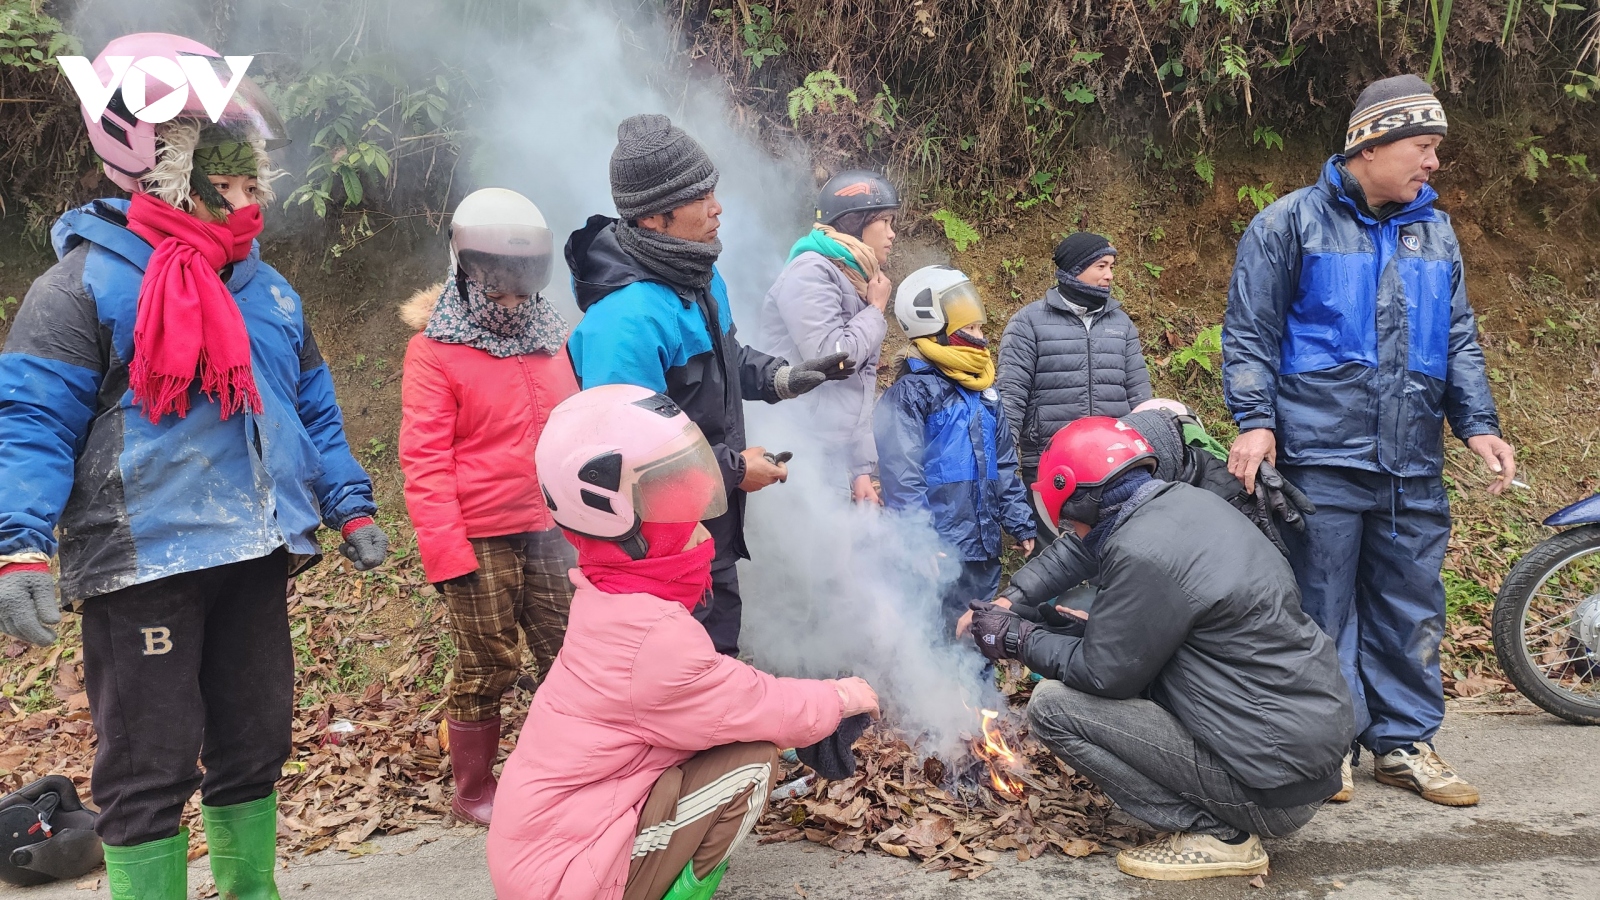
x: 944, y: 450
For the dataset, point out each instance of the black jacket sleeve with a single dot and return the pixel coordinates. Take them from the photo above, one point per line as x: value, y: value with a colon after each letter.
x: 1060, y: 567
x: 1139, y: 619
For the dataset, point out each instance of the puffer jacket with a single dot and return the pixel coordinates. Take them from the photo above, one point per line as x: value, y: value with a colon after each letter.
x: 1353, y: 337
x: 946, y: 455
x: 1200, y: 613
x: 134, y: 501
x: 1058, y: 366
x: 469, y: 424
x: 636, y: 690
x: 813, y: 310
x: 637, y: 329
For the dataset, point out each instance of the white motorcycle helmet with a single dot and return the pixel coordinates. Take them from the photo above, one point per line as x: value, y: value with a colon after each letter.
x: 931, y: 297
x: 499, y: 235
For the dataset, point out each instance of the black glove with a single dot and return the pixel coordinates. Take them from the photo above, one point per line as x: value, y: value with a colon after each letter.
x: 460, y: 581
x: 1282, y: 499
x: 792, y: 381
x: 998, y: 633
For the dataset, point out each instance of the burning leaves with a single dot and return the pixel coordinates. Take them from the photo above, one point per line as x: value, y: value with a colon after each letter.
x: 1008, y: 795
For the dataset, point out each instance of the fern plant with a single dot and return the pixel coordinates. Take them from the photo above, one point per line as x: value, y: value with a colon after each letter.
x: 820, y: 90
x: 1205, y: 352
x: 957, y: 230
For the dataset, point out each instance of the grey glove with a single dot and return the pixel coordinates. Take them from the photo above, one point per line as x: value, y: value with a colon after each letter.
x: 791, y: 381
x: 27, y: 605
x: 366, y: 547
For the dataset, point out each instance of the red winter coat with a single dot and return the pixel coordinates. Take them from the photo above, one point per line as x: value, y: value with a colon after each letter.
x: 468, y: 426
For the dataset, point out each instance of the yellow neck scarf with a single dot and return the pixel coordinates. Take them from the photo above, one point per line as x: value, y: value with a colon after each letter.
x: 969, y: 367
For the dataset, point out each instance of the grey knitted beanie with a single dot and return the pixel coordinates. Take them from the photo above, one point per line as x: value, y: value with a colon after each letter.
x: 1391, y: 109
x: 657, y: 167
x: 1161, y: 431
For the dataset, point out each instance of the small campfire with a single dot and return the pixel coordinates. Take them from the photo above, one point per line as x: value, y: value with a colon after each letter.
x: 1006, y: 794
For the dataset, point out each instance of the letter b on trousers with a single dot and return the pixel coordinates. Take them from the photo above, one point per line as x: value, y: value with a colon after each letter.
x: 157, y: 641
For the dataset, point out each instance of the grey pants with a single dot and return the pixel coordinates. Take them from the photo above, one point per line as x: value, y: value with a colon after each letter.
x: 1145, y: 760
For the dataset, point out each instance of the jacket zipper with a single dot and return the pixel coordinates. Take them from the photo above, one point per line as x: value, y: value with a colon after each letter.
x: 1088, y: 358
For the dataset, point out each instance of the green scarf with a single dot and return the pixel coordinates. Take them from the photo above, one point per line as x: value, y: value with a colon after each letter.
x: 824, y: 240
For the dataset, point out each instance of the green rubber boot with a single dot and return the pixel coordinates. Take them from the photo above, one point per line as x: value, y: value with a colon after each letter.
x: 688, y: 887
x: 243, y: 841
x: 157, y: 870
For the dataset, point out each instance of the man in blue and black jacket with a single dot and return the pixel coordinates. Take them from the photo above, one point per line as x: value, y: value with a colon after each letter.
x: 1348, y: 343
x: 656, y: 315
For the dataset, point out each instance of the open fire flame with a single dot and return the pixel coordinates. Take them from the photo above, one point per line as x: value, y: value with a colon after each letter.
x: 1001, y: 759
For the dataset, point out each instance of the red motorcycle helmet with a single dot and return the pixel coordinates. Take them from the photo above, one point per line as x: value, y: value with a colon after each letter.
x: 1082, y: 459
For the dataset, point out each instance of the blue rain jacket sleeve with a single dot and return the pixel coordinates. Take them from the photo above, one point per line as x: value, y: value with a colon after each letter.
x: 1015, y: 511
x: 898, y: 426
x: 1265, y: 278
x: 344, y: 491
x: 50, y: 373
x: 1468, y: 404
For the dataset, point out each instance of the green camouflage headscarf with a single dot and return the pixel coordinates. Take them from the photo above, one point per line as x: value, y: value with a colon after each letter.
x: 227, y: 158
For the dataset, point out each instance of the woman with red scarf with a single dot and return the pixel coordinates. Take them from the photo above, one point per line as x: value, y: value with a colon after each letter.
x: 646, y: 755
x: 166, y: 416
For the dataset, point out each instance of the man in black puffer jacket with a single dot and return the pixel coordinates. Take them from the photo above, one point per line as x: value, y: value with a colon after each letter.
x: 1196, y: 693
x: 1074, y: 353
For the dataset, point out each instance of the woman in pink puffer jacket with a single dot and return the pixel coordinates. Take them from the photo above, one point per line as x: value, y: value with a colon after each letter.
x: 646, y: 755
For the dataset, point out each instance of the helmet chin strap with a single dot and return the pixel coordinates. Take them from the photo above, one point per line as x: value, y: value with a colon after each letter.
x: 635, y: 546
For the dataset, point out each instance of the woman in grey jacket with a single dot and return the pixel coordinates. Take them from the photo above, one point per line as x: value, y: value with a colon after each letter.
x: 1073, y: 354
x: 831, y: 296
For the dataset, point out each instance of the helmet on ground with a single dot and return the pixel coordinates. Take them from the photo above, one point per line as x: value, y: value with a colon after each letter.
x: 149, y: 69
x: 614, y: 457
x: 1082, y: 459
x: 46, y: 834
x: 934, y: 297
x: 855, y: 191
x: 500, y: 236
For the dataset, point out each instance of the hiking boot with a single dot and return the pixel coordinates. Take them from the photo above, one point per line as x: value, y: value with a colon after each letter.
x: 1419, y: 768
x: 1186, y: 856
x: 1347, y: 783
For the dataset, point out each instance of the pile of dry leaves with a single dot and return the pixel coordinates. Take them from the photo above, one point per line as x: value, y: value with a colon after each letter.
x: 957, y: 817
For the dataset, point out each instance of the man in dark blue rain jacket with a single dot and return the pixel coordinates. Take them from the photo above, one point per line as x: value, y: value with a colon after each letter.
x: 1347, y: 344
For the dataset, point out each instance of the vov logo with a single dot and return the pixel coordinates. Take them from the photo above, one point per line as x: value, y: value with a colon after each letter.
x: 187, y: 72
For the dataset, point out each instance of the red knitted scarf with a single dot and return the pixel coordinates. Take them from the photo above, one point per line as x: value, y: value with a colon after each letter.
x: 668, y: 571
x: 187, y: 321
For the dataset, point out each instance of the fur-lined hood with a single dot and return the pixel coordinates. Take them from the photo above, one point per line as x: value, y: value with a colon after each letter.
x: 416, y: 311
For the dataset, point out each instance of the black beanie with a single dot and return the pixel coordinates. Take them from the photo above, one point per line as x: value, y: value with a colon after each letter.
x: 1078, y: 251
x: 1391, y: 109
x: 657, y: 167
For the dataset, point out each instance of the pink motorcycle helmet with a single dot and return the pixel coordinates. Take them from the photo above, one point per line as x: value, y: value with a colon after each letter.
x: 614, y: 457
x: 126, y: 144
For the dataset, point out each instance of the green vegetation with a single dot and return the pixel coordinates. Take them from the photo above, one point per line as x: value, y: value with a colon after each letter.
x: 957, y: 230
x: 820, y: 90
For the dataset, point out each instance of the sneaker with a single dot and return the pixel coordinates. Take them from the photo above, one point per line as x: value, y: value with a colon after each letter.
x: 1185, y: 856
x: 1347, y: 783
x: 1420, y: 769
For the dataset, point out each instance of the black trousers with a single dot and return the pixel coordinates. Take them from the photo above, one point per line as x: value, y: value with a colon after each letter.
x: 194, y: 666
x: 727, y: 609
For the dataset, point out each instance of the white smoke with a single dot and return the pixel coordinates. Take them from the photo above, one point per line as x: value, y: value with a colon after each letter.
x: 833, y: 588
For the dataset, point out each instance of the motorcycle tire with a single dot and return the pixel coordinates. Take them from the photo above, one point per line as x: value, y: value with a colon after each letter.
x: 1510, y: 612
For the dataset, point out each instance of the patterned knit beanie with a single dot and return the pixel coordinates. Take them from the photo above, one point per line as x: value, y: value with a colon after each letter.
x: 657, y: 167
x: 1391, y: 109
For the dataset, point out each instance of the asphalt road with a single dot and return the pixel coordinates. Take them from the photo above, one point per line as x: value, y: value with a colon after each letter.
x: 1535, y: 835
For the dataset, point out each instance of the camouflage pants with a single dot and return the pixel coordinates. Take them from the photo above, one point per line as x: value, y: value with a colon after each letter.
x: 521, y: 584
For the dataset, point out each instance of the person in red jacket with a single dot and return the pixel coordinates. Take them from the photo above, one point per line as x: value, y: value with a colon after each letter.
x: 480, y: 380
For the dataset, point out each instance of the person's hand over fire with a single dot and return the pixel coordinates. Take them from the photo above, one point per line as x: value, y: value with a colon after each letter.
x: 998, y: 632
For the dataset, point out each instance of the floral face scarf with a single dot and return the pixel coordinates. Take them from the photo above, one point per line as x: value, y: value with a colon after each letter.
x: 466, y: 315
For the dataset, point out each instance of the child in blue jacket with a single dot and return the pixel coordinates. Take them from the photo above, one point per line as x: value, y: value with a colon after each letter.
x: 943, y: 448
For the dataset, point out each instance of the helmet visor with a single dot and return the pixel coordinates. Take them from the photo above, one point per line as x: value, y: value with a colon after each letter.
x: 961, y: 307
x: 510, y: 274
x: 684, y: 485
x: 249, y: 115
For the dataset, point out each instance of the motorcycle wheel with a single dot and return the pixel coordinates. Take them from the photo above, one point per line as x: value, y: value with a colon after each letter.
x: 1533, y: 640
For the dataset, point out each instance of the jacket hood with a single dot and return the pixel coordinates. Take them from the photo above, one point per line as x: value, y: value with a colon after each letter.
x: 105, y: 224
x: 598, y: 264
x: 1420, y: 209
x: 416, y: 311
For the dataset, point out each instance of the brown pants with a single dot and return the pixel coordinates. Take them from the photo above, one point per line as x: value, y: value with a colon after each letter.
x: 521, y: 581
x: 697, y: 812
